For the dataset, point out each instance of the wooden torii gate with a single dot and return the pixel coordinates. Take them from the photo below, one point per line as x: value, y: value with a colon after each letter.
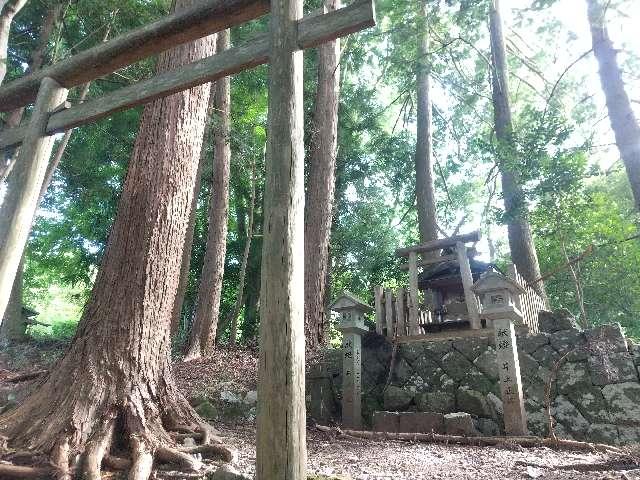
x: 281, y: 449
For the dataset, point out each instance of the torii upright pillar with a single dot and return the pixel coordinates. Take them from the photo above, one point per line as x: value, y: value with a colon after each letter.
x: 281, y: 450
x: 29, y: 174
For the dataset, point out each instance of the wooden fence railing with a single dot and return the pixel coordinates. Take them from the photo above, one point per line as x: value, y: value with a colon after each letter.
x: 530, y: 303
x: 398, y: 314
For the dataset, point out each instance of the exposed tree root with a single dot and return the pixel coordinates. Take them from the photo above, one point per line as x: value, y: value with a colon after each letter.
x: 10, y: 472
x: 145, y: 438
x: 96, y: 450
x: 116, y: 463
x: 60, y: 459
x: 213, y: 451
x: 527, y: 442
x: 26, y: 376
x: 617, y: 465
x: 172, y: 455
x: 141, y: 460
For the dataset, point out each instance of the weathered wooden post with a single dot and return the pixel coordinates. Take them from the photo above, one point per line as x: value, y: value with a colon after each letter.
x: 281, y: 450
x: 414, y: 294
x: 467, y: 283
x: 498, y: 295
x: 352, y: 311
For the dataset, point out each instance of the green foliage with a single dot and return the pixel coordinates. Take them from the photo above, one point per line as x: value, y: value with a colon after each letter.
x: 557, y: 124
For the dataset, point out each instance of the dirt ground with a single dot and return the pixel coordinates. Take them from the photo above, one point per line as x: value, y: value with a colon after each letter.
x: 351, y: 458
x: 385, y: 460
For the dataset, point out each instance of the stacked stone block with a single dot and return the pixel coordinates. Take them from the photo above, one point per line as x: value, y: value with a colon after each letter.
x: 596, y: 395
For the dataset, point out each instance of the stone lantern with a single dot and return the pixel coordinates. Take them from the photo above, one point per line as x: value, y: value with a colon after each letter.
x: 499, y: 298
x: 351, y: 324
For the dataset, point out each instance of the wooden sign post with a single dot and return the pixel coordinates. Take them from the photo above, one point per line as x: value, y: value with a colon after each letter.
x: 515, y: 416
x: 498, y: 295
x: 352, y: 311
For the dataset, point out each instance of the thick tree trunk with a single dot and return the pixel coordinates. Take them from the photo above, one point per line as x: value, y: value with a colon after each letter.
x: 321, y: 182
x: 623, y: 121
x: 8, y: 10
x: 119, y: 362
x: 205, y: 325
x: 523, y: 250
x: 425, y: 193
x: 281, y: 431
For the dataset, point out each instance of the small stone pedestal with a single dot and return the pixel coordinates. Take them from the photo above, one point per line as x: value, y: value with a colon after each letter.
x: 498, y: 295
x: 352, y: 326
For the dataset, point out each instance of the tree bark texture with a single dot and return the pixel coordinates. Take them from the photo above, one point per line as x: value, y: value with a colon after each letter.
x: 425, y: 192
x: 14, y: 328
x: 115, y: 380
x: 8, y: 10
x: 523, y: 250
x: 623, y: 121
x: 185, y: 264
x: 205, y: 324
x: 281, y: 430
x: 321, y: 182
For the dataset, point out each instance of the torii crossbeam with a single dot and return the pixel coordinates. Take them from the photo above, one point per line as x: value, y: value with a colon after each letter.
x: 281, y: 439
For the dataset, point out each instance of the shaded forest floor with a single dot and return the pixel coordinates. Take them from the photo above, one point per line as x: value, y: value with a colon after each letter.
x: 347, y: 458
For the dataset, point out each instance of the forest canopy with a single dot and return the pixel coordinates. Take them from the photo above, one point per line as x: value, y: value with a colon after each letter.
x: 576, y: 192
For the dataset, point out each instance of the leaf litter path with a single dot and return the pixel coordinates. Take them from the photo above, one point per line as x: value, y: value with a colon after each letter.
x: 384, y: 460
x: 353, y: 458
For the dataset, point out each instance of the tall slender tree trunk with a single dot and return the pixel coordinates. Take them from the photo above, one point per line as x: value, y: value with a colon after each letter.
x: 523, y: 250
x: 205, y: 325
x: 8, y: 10
x: 240, y: 296
x: 321, y: 182
x: 121, y: 389
x: 425, y: 192
x: 623, y: 121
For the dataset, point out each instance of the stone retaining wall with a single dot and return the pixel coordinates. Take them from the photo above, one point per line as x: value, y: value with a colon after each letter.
x: 596, y: 396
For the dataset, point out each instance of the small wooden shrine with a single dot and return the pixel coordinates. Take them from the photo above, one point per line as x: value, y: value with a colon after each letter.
x: 440, y: 301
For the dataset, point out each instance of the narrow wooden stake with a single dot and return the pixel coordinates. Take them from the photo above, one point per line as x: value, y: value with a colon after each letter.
x: 378, y: 292
x: 281, y: 431
x: 413, y: 294
x: 388, y: 307
x: 515, y: 417
x: 400, y: 316
x: 30, y: 171
x: 467, y: 283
